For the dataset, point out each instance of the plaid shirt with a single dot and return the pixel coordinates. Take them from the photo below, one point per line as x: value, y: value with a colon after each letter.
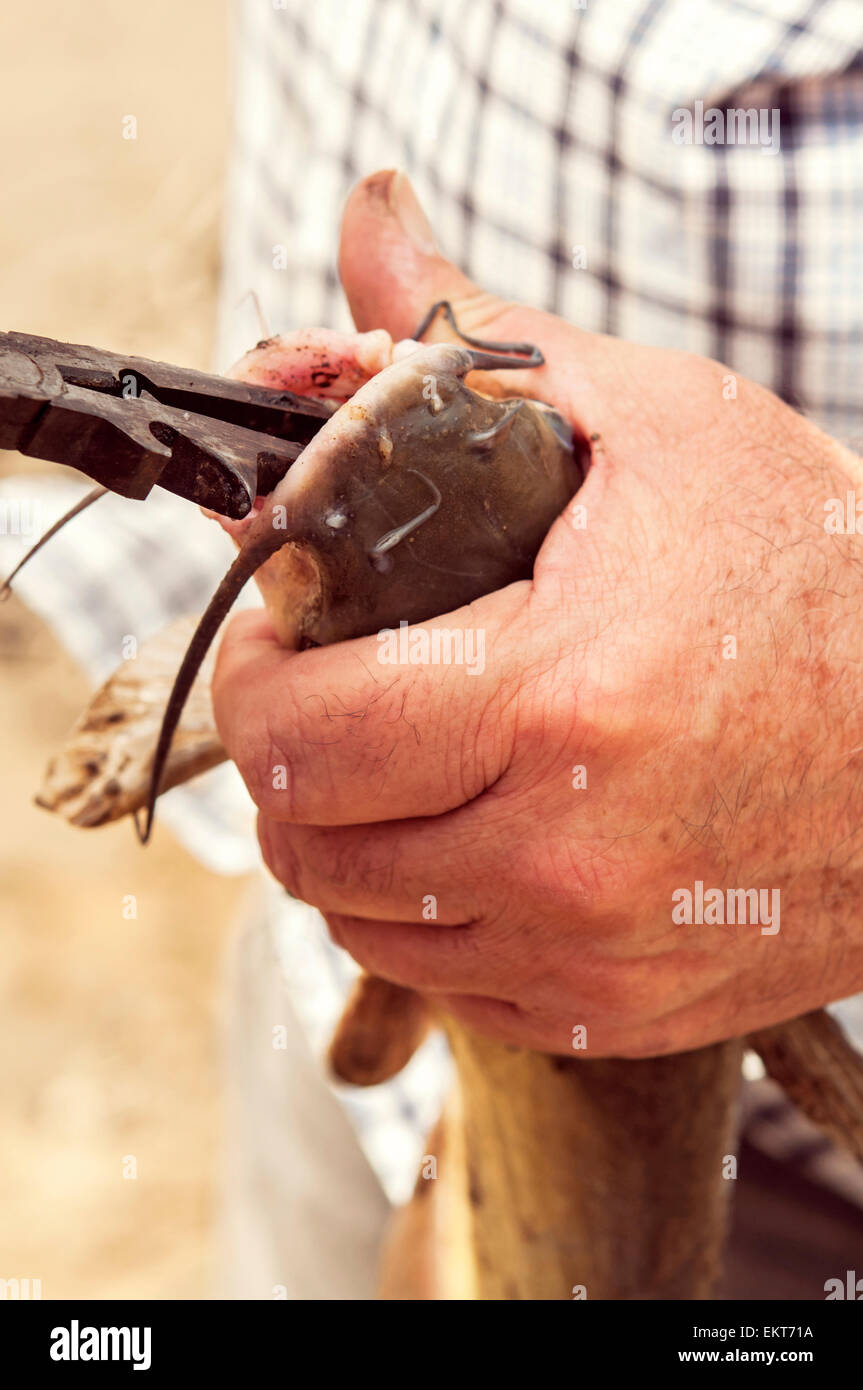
x: 540, y: 139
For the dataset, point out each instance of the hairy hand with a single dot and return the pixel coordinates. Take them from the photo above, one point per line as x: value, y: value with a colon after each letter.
x: 673, y: 701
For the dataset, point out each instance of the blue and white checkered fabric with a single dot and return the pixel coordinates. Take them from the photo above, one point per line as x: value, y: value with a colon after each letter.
x: 540, y: 140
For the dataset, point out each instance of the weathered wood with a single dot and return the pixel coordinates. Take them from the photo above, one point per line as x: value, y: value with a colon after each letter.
x: 103, y: 770
x: 819, y: 1071
x: 604, y: 1174
x: 428, y: 1253
x: 378, y: 1033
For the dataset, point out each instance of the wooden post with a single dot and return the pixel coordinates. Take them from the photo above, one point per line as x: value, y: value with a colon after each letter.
x: 603, y: 1176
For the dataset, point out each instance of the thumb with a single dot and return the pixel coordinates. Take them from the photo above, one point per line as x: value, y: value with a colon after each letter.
x: 392, y: 270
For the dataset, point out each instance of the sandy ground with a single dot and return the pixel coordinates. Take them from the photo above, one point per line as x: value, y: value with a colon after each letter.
x: 108, y: 1027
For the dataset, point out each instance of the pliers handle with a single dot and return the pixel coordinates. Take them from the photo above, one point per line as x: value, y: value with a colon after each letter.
x: 130, y: 423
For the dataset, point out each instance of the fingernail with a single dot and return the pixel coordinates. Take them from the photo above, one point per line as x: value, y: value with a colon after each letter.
x: 405, y: 205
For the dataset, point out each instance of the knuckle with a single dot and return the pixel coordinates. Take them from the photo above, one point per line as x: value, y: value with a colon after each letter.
x: 617, y: 994
x: 571, y: 875
x: 365, y: 945
x: 479, y: 312
x: 338, y: 929
x: 270, y: 767
x: 275, y: 783
x: 611, y: 992
x: 356, y: 865
x: 285, y: 864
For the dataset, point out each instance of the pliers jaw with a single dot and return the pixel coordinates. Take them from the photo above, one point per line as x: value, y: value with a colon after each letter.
x: 129, y: 423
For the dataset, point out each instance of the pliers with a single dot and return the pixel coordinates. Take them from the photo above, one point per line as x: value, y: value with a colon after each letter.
x: 129, y: 423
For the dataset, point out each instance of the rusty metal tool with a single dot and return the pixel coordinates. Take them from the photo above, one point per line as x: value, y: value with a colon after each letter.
x: 130, y: 423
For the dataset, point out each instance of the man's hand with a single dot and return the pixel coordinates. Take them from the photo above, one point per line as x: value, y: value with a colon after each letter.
x: 675, y: 699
